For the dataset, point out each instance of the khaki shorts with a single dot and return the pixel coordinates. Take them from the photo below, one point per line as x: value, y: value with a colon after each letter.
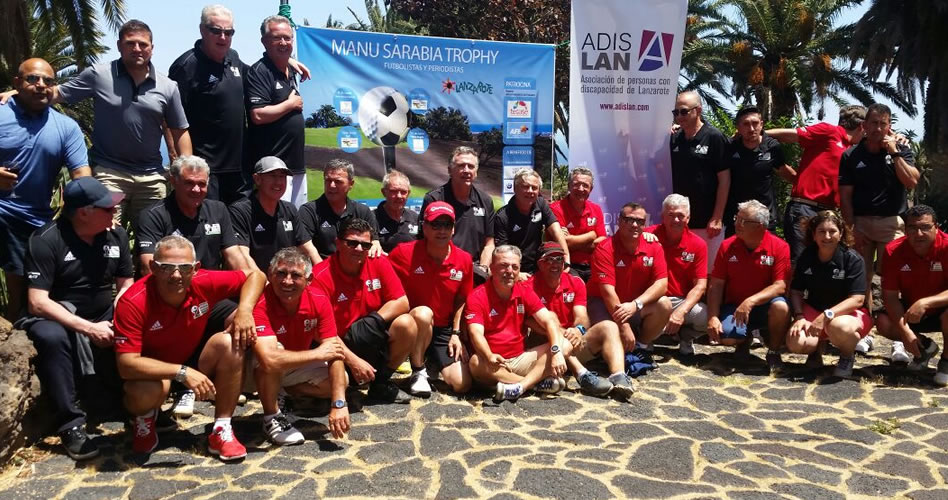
x: 141, y: 191
x: 880, y: 229
x: 522, y: 364
x: 313, y: 373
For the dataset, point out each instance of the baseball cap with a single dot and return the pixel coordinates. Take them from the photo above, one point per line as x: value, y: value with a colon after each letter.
x: 86, y: 191
x: 551, y: 248
x: 269, y: 164
x: 437, y: 209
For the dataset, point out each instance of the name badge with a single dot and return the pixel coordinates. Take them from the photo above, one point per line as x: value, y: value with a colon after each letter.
x: 199, y: 310
x: 110, y: 251
x: 210, y: 229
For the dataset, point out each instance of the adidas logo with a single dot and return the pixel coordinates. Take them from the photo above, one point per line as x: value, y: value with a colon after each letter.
x: 212, y: 79
x: 384, y: 230
x: 569, y: 226
x: 342, y: 298
x: 516, y: 227
x: 419, y: 270
x: 493, y: 313
x: 808, y: 271
x: 326, y: 224
x: 733, y: 258
x: 282, y: 330
x: 260, y: 228
x: 69, y: 257
x: 156, y: 326
x: 906, y: 268
x: 620, y: 264
x: 278, y: 86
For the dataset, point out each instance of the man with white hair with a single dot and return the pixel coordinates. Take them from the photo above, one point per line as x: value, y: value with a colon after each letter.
x: 397, y: 224
x: 263, y: 222
x: 525, y: 219
x: 686, y: 257
x: 750, y: 276
x: 581, y: 220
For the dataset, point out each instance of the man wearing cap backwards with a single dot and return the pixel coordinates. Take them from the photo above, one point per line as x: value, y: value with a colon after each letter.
x: 73, y: 263
x: 437, y: 276
x: 35, y: 143
x: 565, y: 295
x: 397, y: 224
x: 264, y: 223
x: 161, y: 334
x: 495, y: 313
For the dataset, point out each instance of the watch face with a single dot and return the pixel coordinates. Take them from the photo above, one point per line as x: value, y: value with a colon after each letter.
x: 339, y: 403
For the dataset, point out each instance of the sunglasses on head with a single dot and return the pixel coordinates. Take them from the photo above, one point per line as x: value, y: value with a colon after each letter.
x: 220, y: 31
x: 49, y: 81
x: 354, y: 244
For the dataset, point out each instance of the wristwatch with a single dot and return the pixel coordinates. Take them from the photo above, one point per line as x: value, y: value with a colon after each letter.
x: 639, y: 304
x: 581, y: 329
x: 339, y: 403
x: 182, y: 374
x: 829, y: 314
x: 555, y: 349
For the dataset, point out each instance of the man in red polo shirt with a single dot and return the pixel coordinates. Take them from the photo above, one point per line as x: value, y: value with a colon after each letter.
x: 370, y: 308
x: 495, y: 314
x: 750, y: 276
x: 581, y: 220
x: 565, y: 295
x: 160, y: 336
x: 916, y: 267
x: 438, y: 277
x: 629, y: 281
x: 686, y: 257
x: 290, y: 318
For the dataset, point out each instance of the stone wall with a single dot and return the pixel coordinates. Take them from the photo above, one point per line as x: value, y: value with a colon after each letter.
x: 19, y: 389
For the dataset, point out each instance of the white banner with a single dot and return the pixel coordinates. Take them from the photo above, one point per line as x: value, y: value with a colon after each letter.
x: 623, y: 77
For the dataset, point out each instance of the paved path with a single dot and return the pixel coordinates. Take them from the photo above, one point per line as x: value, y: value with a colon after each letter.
x: 691, y: 431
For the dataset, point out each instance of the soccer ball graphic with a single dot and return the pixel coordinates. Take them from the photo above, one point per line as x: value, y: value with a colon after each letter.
x: 383, y: 116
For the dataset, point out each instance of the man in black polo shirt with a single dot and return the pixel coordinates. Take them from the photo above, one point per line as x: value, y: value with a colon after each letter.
x: 753, y: 158
x: 474, y: 209
x: 699, y: 171
x: 263, y: 223
x: 275, y: 107
x: 72, y: 265
x: 524, y: 219
x: 319, y: 219
x: 397, y: 224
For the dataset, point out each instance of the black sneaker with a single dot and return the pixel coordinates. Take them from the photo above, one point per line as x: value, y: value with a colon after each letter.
x: 78, y: 444
x: 164, y: 422
x: 388, y: 392
x: 594, y: 385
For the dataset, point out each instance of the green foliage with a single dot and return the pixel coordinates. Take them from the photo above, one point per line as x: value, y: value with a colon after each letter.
x: 445, y: 124
x: 326, y: 117
x: 885, y: 427
x: 490, y: 144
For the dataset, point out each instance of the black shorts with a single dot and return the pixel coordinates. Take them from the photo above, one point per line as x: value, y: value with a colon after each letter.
x: 794, y: 227
x: 438, y: 349
x: 367, y: 338
x: 929, y: 324
x: 217, y: 319
x: 14, y: 240
x: 581, y: 271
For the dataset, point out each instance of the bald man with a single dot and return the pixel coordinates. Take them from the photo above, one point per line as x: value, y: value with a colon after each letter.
x: 35, y: 143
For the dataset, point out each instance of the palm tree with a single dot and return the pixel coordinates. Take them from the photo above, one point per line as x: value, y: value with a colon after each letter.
x: 704, y: 57
x: 380, y: 20
x: 788, y: 57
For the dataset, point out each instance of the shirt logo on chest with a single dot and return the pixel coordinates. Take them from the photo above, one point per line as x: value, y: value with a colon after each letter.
x: 861, y: 165
x: 287, y: 225
x: 372, y: 285
x: 536, y: 217
x: 620, y: 263
x: 569, y: 226
x: 325, y: 224
x: 733, y: 258
x: 212, y: 79
x: 493, y: 313
x: 384, y: 230
x: 110, y: 251
x: 210, y: 229
x: 766, y: 260
x: 906, y: 268
x: 516, y: 228
x: 808, y: 272
x: 591, y: 221
x: 413, y: 229
x: 648, y: 261
x: 235, y: 70
x: 839, y: 274
x: 309, y: 324
x: 701, y: 149
x: 936, y: 266
x: 456, y: 275
x: 199, y: 310
x: 69, y: 257
x: 259, y: 228
x: 156, y: 326
x: 277, y: 86
x: 687, y: 257
x: 478, y: 212
x: 419, y: 270
x: 282, y: 330
x: 569, y: 297
x: 342, y: 298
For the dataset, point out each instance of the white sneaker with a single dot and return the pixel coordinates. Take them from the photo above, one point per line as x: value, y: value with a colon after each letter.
x: 865, y: 344
x: 941, y: 377
x: 899, y: 354
x: 184, y: 405
x: 281, y: 432
x: 419, y: 385
x: 686, y: 347
x: 756, y: 340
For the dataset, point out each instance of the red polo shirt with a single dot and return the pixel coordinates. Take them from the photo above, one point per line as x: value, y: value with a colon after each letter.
x: 590, y: 220
x: 818, y: 177
x: 354, y: 298
x: 145, y: 324
x: 502, y: 318
x: 916, y: 277
x: 747, y: 272
x: 687, y: 261
x: 631, y: 274
x: 296, y: 332
x: 571, y: 292
x: 433, y: 283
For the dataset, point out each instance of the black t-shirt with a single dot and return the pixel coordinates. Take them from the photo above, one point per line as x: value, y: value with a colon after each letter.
x: 826, y: 284
x: 752, y: 174
x: 210, y: 232
x: 73, y: 271
x: 263, y: 234
x: 511, y: 227
x: 284, y: 137
x: 212, y: 94
x: 876, y: 188
x: 317, y: 222
x: 695, y: 166
x: 392, y: 232
x: 474, y: 219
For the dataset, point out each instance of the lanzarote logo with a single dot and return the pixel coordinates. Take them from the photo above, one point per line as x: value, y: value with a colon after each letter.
x: 655, y: 50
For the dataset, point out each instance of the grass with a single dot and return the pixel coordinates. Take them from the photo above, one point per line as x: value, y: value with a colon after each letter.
x: 885, y: 427
x: 735, y: 380
x: 326, y: 138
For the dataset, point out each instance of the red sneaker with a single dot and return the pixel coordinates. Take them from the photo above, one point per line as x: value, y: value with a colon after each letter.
x: 224, y: 444
x: 146, y: 438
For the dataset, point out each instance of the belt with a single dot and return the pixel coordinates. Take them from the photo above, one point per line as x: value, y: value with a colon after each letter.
x: 811, y: 203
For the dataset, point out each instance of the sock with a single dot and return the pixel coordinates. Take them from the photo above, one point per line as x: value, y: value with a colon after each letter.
x: 581, y: 373
x: 267, y: 418
x: 223, y: 423
x: 421, y: 372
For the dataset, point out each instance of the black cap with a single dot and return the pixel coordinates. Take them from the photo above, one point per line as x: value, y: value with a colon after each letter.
x: 86, y: 191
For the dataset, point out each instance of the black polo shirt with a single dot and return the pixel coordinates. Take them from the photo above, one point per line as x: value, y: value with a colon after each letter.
x: 752, y: 173
x: 212, y: 94
x: 317, y: 222
x: 392, y: 232
x: 876, y: 188
x: 474, y: 219
x: 695, y: 166
x: 262, y: 233
x: 70, y: 270
x: 512, y: 227
x: 284, y: 137
x: 210, y: 232
x: 828, y: 283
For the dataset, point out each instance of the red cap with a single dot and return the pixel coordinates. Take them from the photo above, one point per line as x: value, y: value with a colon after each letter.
x: 551, y: 248
x: 437, y: 209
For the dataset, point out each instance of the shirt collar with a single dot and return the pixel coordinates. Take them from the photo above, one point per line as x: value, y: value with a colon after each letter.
x: 122, y: 71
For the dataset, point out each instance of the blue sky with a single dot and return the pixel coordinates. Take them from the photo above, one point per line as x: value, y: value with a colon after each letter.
x: 175, y: 26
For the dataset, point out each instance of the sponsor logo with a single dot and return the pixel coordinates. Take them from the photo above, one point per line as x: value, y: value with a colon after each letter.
x: 277, y: 86
x: 936, y: 266
x: 199, y: 310
x: 145, y: 244
x: 493, y: 313
x: 569, y: 226
x: 517, y: 108
x: 156, y: 326
x: 621, y: 263
x: 342, y: 298
x: 259, y: 228
x: 325, y: 224
x: 69, y: 257
x: 518, y: 130
x: 418, y: 105
x: 543, y: 300
x: 349, y: 142
x: 655, y: 50
x: 345, y: 108
x: 384, y: 230
x: 478, y: 211
x: 287, y: 225
x: 733, y: 258
x: 419, y: 270
x: 687, y: 257
x: 210, y: 229
x: 808, y: 272
x: 281, y: 331
x: 456, y: 275
x: 648, y: 261
x: 906, y: 268
x: 373, y: 284
x: 766, y: 260
x: 309, y: 324
x: 516, y: 228
x: 863, y: 165
x: 213, y: 79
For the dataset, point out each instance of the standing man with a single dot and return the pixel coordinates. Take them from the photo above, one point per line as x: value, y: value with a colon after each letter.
x: 524, y: 220
x: 397, y: 224
x: 263, y: 223
x: 35, y: 143
x: 699, y: 170
x: 581, y: 220
x: 73, y: 264
x: 438, y: 277
x: 319, y: 220
x: 275, y: 108
x: 474, y: 209
x: 629, y: 281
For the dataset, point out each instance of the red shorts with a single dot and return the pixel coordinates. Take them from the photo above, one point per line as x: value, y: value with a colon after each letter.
x: 810, y: 314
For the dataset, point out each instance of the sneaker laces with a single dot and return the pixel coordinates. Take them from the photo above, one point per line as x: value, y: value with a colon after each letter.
x: 226, y: 433
x: 544, y: 384
x: 187, y: 398
x: 511, y: 390
x: 280, y: 423
x: 142, y: 429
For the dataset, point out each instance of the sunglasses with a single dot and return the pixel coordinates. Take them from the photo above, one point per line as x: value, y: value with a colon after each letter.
x: 911, y: 228
x: 49, y: 81
x: 438, y: 224
x: 354, y: 244
x: 220, y: 31
x: 682, y: 111
x: 634, y: 220
x: 554, y: 260
x: 746, y: 222
x: 168, y: 268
